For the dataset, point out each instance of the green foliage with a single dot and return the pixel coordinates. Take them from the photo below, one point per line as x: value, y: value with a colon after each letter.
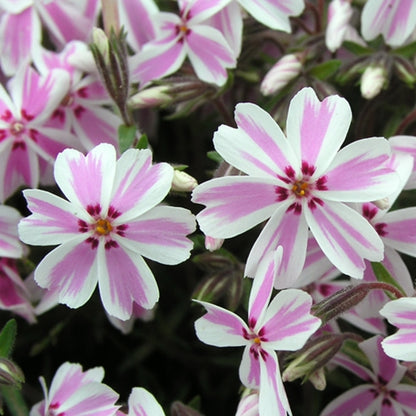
x: 326, y: 69
x: 126, y: 137
x: 8, y: 338
x: 383, y: 275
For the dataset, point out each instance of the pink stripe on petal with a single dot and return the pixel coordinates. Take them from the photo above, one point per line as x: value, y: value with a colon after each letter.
x: 53, y: 220
x: 234, y: 204
x: 209, y: 54
x: 143, y: 403
x: 272, y: 395
x: 288, y: 230
x: 139, y: 185
x: 400, y: 230
x: 249, y: 370
x: 359, y: 172
x: 220, y: 327
x: 95, y: 125
x: 87, y: 179
x: 401, y: 312
x: 160, y: 234
x: 258, y: 147
x: 346, y: 362
x: 124, y: 278
x: 262, y: 287
x: 20, y: 35
x: 199, y: 10
x: 345, y: 237
x: 406, y: 396
x: 288, y: 322
x: 317, y: 129
x: 71, y: 268
x: 157, y: 60
x: 358, y: 398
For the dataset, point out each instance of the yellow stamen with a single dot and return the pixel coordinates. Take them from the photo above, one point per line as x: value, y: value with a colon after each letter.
x: 183, y: 28
x: 257, y: 340
x: 300, y: 188
x: 103, y: 227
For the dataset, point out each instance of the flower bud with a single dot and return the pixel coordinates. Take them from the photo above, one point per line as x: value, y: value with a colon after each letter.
x: 249, y: 404
x: 100, y: 41
x: 286, y: 68
x: 373, y: 81
x: 308, y: 362
x: 212, y: 243
x: 339, y: 16
x: 150, y: 97
x: 183, y: 182
x: 10, y: 373
x: 383, y: 203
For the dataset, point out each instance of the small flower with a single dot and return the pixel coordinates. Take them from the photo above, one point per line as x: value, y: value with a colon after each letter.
x: 110, y: 222
x: 75, y: 392
x: 299, y: 182
x: 283, y: 325
x: 382, y: 394
x: 373, y: 81
x: 284, y: 70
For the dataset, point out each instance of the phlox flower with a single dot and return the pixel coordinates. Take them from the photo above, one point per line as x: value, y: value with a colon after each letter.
x: 402, y: 314
x: 21, y: 27
x: 82, y: 110
x: 283, y: 325
x: 299, y: 182
x: 27, y: 144
x: 10, y: 245
x: 187, y: 35
x: 394, y: 19
x: 382, y: 394
x: 75, y: 392
x: 110, y: 221
x: 142, y: 403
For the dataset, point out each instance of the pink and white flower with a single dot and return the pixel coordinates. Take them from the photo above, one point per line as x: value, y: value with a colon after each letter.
x: 21, y: 27
x: 111, y: 220
x: 299, y: 182
x: 10, y: 246
x: 394, y: 19
x: 283, y: 325
x: 142, y: 403
x: 382, y: 394
x: 82, y: 110
x: 27, y: 144
x: 402, y: 344
x: 75, y: 392
x: 188, y: 35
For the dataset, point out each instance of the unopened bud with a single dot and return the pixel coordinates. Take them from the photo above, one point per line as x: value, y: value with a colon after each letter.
x: 285, y: 69
x: 212, y: 243
x: 339, y: 16
x: 150, y: 97
x: 318, y: 379
x: 249, y: 404
x: 183, y: 182
x: 10, y: 373
x: 373, y: 81
x: 312, y: 357
x: 383, y: 203
x: 100, y: 41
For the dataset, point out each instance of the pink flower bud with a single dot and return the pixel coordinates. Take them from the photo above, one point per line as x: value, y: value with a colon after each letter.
x: 285, y: 69
x: 249, y: 405
x: 212, y: 243
x: 372, y: 81
x: 339, y: 15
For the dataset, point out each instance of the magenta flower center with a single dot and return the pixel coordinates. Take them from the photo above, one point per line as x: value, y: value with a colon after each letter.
x: 300, y: 188
x: 103, y: 227
x: 17, y: 128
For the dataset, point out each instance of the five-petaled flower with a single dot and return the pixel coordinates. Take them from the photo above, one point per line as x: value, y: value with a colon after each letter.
x: 382, y: 394
x: 301, y: 182
x: 285, y: 324
x: 110, y: 222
